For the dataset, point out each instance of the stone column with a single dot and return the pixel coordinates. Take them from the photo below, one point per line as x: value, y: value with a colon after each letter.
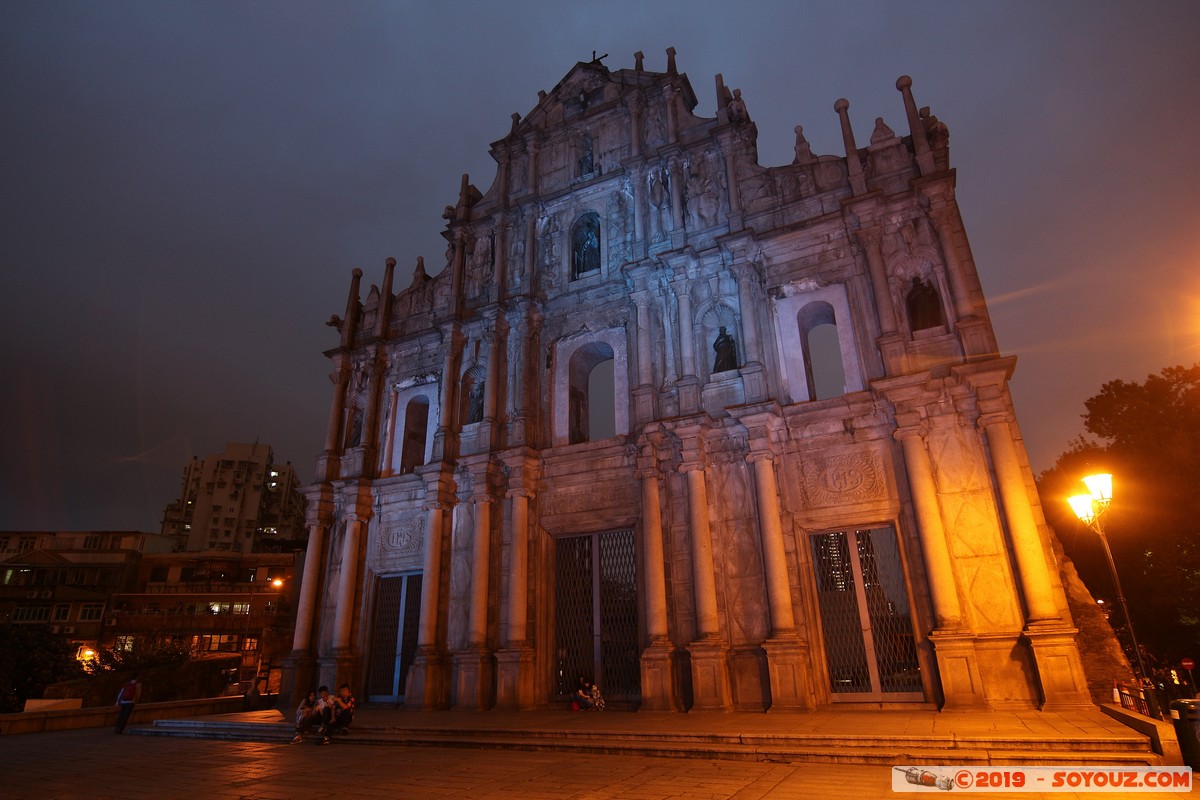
x: 518, y: 335
x: 477, y: 625
x: 518, y: 580
x: 428, y: 680
x: 676, y: 194
x: 953, y: 644
x: 945, y: 221
x: 731, y: 180
x: 689, y: 384
x: 370, y: 434
x: 754, y: 378
x: 645, y: 365
x: 635, y: 125
x: 530, y: 248
x: 891, y: 341
x: 431, y: 573
x: 703, y: 571
x: 934, y: 549
x: 343, y: 623
x: 1034, y: 573
x: 515, y: 661
x: 444, y: 439
x: 473, y: 667
x: 672, y: 113
x: 779, y: 592
x: 1052, y: 640
x: 309, y: 586
x: 299, y: 667
x: 491, y: 385
x: 389, y: 439
x: 711, y: 688
x: 787, y: 654
x: 659, y: 690
x: 644, y: 393
x: 870, y: 238
x: 532, y: 147
x: 337, y: 409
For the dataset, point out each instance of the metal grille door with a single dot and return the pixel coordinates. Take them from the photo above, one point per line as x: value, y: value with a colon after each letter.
x: 596, y: 626
x: 393, y: 636
x: 865, y: 618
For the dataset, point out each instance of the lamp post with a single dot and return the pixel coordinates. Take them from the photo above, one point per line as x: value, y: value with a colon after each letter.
x: 1090, y: 508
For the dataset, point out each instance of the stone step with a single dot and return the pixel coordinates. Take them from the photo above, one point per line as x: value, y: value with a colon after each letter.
x: 880, y: 750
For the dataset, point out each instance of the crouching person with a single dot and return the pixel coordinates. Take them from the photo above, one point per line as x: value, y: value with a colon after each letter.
x: 307, y: 715
x: 341, y: 712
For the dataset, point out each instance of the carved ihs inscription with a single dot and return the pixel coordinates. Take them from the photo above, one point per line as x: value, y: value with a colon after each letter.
x: 402, y: 537
x: 838, y: 479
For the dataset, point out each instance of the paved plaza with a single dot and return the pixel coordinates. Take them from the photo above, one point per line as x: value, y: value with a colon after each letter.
x: 95, y: 764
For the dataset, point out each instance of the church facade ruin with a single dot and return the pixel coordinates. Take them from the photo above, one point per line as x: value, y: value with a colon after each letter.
x: 721, y: 436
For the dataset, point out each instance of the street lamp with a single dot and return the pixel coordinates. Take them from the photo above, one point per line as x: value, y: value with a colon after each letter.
x: 1090, y: 508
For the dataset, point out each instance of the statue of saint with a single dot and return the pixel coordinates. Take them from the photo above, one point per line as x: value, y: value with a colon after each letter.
x: 475, y: 402
x: 726, y: 350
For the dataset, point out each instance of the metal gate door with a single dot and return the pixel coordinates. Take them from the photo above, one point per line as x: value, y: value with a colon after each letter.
x: 596, y: 629
x: 394, y: 635
x: 865, y: 617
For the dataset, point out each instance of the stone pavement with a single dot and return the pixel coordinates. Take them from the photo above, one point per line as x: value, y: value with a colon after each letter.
x: 96, y: 764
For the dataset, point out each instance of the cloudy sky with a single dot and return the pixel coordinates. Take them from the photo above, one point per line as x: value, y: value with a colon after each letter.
x: 187, y: 186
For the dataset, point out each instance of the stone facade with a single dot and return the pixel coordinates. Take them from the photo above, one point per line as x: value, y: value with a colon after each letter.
x: 804, y: 485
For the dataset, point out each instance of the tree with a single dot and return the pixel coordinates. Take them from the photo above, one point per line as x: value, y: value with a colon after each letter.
x: 140, y: 656
x: 31, y: 658
x: 1150, y: 436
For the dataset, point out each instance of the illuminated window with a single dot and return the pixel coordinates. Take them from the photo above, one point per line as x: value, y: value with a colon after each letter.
x: 90, y: 612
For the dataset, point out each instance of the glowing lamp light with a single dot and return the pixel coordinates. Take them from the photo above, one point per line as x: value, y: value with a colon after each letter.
x: 1100, y: 486
x: 277, y: 583
x: 1084, y: 506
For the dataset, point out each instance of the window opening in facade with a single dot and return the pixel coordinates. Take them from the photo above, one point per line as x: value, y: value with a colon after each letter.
x: 592, y: 394
x: 394, y: 636
x: 416, y: 425
x: 865, y: 616
x: 822, y: 351
x: 924, y: 306
x: 596, y: 622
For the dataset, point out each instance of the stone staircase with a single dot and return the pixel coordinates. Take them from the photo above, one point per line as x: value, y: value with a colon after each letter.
x: 724, y: 741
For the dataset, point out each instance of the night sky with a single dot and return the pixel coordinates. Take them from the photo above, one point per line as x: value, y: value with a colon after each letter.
x: 187, y: 186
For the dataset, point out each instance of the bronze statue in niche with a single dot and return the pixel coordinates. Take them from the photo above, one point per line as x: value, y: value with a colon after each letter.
x: 725, y: 347
x: 585, y: 245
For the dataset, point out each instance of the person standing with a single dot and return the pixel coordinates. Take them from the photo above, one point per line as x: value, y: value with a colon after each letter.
x: 127, y: 697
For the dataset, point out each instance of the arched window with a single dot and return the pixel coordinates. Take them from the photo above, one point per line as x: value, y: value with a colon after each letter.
x: 592, y: 396
x: 585, y: 245
x: 924, y: 306
x: 822, y: 351
x: 416, y: 426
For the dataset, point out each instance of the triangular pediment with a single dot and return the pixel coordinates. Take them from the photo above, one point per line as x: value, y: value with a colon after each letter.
x: 36, y: 558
